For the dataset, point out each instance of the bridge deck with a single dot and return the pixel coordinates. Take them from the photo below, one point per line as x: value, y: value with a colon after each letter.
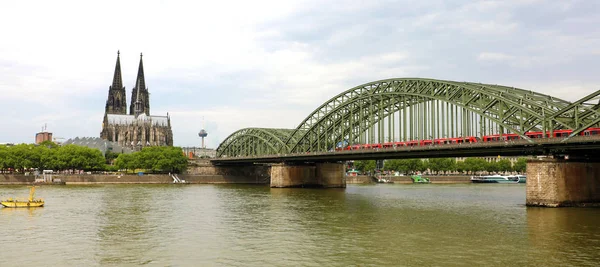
x: 581, y: 146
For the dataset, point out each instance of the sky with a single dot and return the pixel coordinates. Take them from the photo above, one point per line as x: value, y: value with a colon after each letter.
x: 227, y: 65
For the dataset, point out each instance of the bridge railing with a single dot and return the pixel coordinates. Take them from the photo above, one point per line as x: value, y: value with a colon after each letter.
x: 501, y: 143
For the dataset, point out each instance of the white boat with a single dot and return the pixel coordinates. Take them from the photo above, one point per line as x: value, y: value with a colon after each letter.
x: 498, y: 179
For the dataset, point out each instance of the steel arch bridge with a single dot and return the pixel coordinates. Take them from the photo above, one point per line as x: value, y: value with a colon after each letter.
x: 405, y: 109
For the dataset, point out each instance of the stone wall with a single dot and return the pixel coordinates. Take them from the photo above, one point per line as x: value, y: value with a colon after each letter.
x: 206, y: 173
x: 292, y: 176
x: 325, y: 175
x: 360, y: 179
x: 558, y: 182
x: 255, y: 174
x: 7, y: 179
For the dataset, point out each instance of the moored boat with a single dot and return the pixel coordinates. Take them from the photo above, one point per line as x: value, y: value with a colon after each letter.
x: 384, y: 180
x: 417, y: 179
x: 19, y: 203
x: 499, y: 179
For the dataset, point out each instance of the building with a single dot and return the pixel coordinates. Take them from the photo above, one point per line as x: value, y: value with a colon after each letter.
x: 98, y: 143
x: 43, y: 136
x: 138, y: 128
x: 199, y: 152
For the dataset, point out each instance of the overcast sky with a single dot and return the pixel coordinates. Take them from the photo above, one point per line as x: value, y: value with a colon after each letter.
x: 260, y: 63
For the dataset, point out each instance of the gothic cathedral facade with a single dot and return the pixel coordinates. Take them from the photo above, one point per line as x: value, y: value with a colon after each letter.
x: 138, y: 128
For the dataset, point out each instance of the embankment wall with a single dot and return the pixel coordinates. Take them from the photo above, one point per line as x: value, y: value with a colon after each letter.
x: 196, y: 175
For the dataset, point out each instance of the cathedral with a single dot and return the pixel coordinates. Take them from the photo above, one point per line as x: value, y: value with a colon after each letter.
x: 138, y: 128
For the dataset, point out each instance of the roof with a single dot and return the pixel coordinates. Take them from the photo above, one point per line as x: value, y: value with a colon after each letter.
x: 119, y: 119
x: 97, y: 143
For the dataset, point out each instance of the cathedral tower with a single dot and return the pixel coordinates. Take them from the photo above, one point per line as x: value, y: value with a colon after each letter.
x: 138, y: 129
x: 140, y: 84
x: 117, y: 101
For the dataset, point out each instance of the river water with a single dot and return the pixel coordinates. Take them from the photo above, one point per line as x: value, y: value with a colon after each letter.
x: 251, y: 225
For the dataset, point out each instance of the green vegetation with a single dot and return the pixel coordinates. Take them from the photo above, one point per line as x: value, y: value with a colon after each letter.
x: 155, y: 159
x: 406, y: 165
x: 445, y: 165
x: 49, y: 156
x: 520, y: 165
x: 364, y: 165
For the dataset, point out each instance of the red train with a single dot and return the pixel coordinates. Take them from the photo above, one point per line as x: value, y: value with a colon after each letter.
x: 471, y: 139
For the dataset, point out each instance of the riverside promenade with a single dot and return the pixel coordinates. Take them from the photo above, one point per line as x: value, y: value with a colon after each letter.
x: 202, y: 178
x: 434, y: 179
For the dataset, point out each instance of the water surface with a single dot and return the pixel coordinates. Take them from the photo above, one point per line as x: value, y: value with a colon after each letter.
x: 250, y: 225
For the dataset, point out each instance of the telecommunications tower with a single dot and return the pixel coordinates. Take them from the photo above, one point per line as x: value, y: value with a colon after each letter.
x: 203, y: 133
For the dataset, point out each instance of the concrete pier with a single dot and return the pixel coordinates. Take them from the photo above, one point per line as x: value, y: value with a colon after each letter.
x: 325, y: 175
x: 562, y: 183
x: 331, y: 175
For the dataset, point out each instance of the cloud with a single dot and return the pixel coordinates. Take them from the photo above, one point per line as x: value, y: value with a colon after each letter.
x: 270, y: 63
x: 491, y: 56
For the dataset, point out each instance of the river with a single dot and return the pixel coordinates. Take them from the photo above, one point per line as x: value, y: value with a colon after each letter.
x: 254, y: 225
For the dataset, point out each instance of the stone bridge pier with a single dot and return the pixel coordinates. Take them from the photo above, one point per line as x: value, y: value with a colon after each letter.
x: 323, y: 175
x: 563, y: 182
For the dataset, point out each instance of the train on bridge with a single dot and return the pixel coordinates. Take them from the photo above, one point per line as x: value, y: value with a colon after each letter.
x: 470, y: 139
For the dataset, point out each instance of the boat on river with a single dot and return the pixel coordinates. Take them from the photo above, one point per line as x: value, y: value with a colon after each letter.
x: 417, y: 179
x: 498, y: 179
x: 24, y: 203
x: 521, y: 178
x: 382, y: 180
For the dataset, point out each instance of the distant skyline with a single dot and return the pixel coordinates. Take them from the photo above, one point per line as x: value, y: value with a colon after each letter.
x: 270, y: 63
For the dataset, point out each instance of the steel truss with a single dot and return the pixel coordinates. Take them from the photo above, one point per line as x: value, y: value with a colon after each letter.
x: 400, y: 110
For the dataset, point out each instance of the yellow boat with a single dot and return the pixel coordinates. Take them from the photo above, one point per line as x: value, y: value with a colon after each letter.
x: 30, y: 202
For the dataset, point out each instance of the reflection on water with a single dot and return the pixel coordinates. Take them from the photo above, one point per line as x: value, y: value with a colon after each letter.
x: 565, y: 235
x: 250, y: 225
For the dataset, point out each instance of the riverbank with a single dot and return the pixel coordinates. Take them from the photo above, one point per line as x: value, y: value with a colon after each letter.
x: 10, y: 179
x: 434, y: 179
x: 202, y: 177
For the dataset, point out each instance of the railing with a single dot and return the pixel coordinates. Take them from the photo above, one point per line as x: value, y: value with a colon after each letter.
x: 490, y: 144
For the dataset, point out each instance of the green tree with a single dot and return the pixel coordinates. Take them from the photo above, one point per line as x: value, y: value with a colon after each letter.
x: 110, y: 156
x: 492, y: 166
x: 124, y: 162
x: 435, y: 164
x: 391, y: 165
x: 442, y: 164
x: 460, y: 166
x: 521, y: 165
x: 364, y: 166
x: 504, y: 165
x: 49, y: 144
x: 474, y: 165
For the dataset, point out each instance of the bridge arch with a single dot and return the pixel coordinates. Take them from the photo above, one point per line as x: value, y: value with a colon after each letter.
x: 405, y: 109
x: 397, y: 110
x: 254, y: 141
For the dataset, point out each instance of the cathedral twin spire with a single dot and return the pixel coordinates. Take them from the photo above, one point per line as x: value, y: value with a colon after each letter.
x: 117, y: 102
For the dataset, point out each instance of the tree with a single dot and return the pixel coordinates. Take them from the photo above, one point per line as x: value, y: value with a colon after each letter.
x: 155, y: 159
x: 49, y: 144
x: 474, y: 165
x: 504, y: 165
x: 521, y: 165
x: 364, y: 165
x: 123, y: 162
x: 391, y: 165
x: 492, y: 166
x: 110, y: 156
x: 435, y: 164
x: 460, y: 166
x: 442, y: 164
